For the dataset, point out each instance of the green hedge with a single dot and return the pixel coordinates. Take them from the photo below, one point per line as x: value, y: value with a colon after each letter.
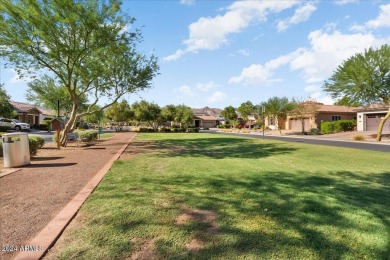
x: 338, y: 126
x: 4, y: 128
x: 87, y: 135
x: 34, y: 142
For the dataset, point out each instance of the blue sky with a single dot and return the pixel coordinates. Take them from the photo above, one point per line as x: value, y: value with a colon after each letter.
x: 219, y: 53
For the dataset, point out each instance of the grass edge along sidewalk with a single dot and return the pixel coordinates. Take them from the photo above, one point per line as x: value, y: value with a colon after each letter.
x: 209, y: 196
x: 48, y: 236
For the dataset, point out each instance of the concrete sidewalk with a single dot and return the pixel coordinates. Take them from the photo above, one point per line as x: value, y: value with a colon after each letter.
x: 36, y: 194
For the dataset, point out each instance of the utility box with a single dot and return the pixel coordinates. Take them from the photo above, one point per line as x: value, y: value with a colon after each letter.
x: 16, y: 149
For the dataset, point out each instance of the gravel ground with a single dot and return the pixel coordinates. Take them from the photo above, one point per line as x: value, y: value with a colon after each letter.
x: 31, y: 197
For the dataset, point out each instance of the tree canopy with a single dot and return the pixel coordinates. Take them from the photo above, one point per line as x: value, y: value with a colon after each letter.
x: 85, y: 45
x: 246, y: 109
x: 229, y: 113
x: 6, y: 109
x: 364, y: 78
x: 279, y: 108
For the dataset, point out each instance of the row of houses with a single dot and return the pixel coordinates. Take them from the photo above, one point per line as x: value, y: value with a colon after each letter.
x: 367, y: 117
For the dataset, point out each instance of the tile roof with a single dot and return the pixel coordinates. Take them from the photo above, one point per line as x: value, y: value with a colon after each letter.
x: 22, y: 107
x: 335, y: 109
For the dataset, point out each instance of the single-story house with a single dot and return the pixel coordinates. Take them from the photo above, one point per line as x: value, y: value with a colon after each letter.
x: 207, y: 117
x: 31, y: 114
x: 313, y: 120
x: 368, y: 117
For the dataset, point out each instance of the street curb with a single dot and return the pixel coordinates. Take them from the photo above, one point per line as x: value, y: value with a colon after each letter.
x: 53, y: 230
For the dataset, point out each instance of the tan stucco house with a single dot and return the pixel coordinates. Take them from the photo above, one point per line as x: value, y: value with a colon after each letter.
x: 368, y: 117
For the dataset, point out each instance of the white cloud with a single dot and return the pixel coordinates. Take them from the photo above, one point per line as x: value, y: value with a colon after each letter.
x: 283, y: 60
x: 327, y: 100
x: 187, y: 2
x: 186, y: 90
x: 205, y: 87
x: 301, y: 14
x: 383, y: 20
x: 216, y: 97
x: 328, y: 50
x: 312, y: 88
x: 255, y: 74
x: 244, y: 52
x: 344, y: 2
x: 212, y: 32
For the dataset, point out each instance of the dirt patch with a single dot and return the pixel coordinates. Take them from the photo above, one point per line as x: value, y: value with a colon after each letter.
x: 147, y: 249
x: 195, y: 245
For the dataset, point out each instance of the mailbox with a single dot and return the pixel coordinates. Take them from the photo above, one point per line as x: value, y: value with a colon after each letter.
x: 57, y: 124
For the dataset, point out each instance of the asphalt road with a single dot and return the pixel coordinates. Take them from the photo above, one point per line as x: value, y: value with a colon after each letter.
x: 338, y: 143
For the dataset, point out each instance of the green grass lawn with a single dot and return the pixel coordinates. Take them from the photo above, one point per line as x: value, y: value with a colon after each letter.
x: 210, y: 196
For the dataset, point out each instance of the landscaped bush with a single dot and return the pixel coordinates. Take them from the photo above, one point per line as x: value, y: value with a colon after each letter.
x: 344, y: 125
x: 338, y: 126
x: 4, y: 128
x: 327, y: 127
x: 39, y: 140
x: 34, y: 145
x: 87, y: 135
x: 315, y: 131
x: 192, y: 130
x: 358, y: 138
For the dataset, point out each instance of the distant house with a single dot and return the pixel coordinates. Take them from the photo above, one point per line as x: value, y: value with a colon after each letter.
x: 368, y: 117
x: 323, y: 113
x: 207, y: 117
x: 31, y: 114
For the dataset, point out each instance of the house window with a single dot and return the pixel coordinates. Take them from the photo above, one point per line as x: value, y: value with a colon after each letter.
x: 336, y: 118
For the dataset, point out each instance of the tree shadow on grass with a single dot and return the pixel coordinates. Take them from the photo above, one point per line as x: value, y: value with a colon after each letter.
x: 325, y: 211
x: 216, y: 148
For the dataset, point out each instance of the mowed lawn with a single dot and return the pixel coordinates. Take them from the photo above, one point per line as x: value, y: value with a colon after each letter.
x: 209, y: 196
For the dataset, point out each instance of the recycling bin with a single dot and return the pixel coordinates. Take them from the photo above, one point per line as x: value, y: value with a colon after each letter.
x: 16, y: 150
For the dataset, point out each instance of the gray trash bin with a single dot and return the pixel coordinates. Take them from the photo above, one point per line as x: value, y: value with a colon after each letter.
x: 16, y: 150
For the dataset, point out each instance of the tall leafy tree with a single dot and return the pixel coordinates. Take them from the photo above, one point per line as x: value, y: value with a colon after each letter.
x: 47, y: 91
x: 229, y: 113
x: 364, y: 78
x: 168, y: 113
x: 6, y: 109
x: 279, y: 108
x: 246, y: 109
x: 120, y: 112
x: 85, y: 45
x: 147, y: 112
x: 184, y: 115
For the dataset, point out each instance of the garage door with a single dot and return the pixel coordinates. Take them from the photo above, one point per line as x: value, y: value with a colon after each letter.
x: 296, y: 125
x: 373, y: 120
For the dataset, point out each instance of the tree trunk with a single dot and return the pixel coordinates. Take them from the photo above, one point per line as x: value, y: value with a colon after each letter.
x: 303, y: 125
x: 70, y: 125
x: 380, y: 127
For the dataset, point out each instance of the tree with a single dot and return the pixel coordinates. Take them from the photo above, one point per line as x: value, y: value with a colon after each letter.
x: 168, y: 113
x: 364, y: 78
x: 184, y: 115
x: 304, y: 109
x: 46, y: 92
x: 279, y: 108
x: 229, y: 113
x: 346, y: 101
x: 246, y: 109
x: 85, y: 45
x: 147, y: 112
x: 6, y: 109
x: 120, y: 112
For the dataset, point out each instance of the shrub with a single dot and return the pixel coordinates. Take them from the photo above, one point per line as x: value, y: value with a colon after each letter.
x: 315, y: 131
x: 358, y: 138
x: 87, y: 135
x: 4, y: 128
x: 327, y: 127
x: 344, y: 125
x: 34, y: 145
x: 43, y: 127
x: 193, y: 130
x: 1, y: 149
x: 39, y: 140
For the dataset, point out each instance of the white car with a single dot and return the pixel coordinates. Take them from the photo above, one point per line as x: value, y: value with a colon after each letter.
x: 14, y: 124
